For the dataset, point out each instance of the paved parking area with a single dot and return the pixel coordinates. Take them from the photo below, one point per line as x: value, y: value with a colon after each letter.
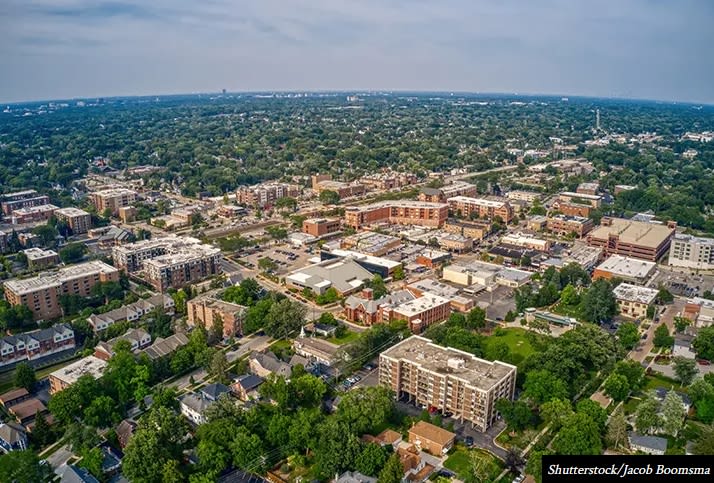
x: 497, y: 303
x: 682, y: 282
x: 286, y: 257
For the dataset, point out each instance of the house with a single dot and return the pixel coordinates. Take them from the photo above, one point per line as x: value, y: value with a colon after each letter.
x: 354, y: 477
x: 35, y: 345
x: 13, y: 397
x: 75, y: 474
x: 194, y: 406
x: 647, y: 444
x: 132, y: 312
x: 125, y: 430
x: 245, y: 387
x: 431, y: 438
x: 13, y: 437
x: 138, y: 338
x: 683, y: 346
x: 25, y: 411
x: 388, y: 437
x: 213, y: 391
x: 163, y: 347
x: 325, y: 330
x: 265, y: 363
x: 317, y: 350
x: 416, y: 464
x: 661, y: 393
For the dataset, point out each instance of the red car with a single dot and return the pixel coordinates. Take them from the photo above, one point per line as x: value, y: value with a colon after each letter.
x: 703, y: 362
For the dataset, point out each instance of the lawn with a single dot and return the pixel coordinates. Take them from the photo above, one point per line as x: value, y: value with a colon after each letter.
x: 516, y: 340
x: 459, y: 461
x: 655, y: 381
x: 348, y: 337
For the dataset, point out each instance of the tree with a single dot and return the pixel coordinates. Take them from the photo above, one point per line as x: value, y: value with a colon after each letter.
x: 217, y: 328
x: 476, y: 319
x: 329, y: 197
x: 72, y: 252
x: 393, y: 471
x: 371, y: 460
x: 681, y: 323
x: 47, y: 233
x: 646, y: 417
x: 180, y: 298
x: 101, y: 412
x: 24, y: 376
x: 598, y: 303
x: 662, y: 339
x: 247, y: 450
x: 517, y: 414
x: 569, y: 296
x: 704, y: 444
x: 664, y: 296
x: 633, y: 371
x: 555, y: 412
x: 379, y: 289
x: 673, y: 414
x: 219, y: 367
x: 628, y: 335
x: 42, y: 432
x: 365, y: 409
x: 398, y: 273
x: 267, y: 265
x: 685, y: 369
x: 284, y: 317
x: 616, y: 435
x: 704, y: 343
x: 542, y: 386
x: 617, y: 387
x: 337, y: 448
x: 534, y: 466
x: 594, y: 411
x: 580, y: 435
x: 23, y: 467
x: 92, y: 461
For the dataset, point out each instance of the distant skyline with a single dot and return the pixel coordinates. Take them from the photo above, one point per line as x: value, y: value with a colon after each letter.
x: 644, y: 49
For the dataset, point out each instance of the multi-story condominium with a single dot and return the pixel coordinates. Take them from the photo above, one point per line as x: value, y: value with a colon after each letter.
x: 324, y: 182
x: 185, y: 267
x: 266, y: 194
x: 132, y: 312
x: 388, y: 180
x: 565, y: 225
x: 588, y: 189
x: 692, y: 252
x: 63, y: 378
x: 79, y: 221
x: 318, y: 227
x: 33, y: 214
x: 520, y: 195
x: 21, y: 199
x: 484, y: 208
x: 33, y: 346
x: 132, y: 256
x: 421, y: 312
x: 526, y: 241
x: 573, y: 209
x: 633, y: 301
x: 38, y: 258
x: 207, y: 308
x: 648, y: 241
x: 440, y: 195
x: 402, y: 212
x: 41, y: 294
x: 625, y: 268
x: 477, y: 230
x: 447, y: 379
x: 112, y: 199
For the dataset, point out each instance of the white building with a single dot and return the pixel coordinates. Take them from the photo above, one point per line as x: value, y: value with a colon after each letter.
x: 692, y: 252
x: 633, y: 301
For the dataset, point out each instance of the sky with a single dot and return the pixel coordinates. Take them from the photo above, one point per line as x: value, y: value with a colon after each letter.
x: 647, y: 49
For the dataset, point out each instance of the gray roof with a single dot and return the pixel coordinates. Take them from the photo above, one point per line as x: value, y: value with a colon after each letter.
x: 214, y: 390
x: 162, y: 347
x: 431, y: 191
x: 12, y: 433
x: 355, y: 477
x: 345, y: 274
x: 683, y: 340
x: 75, y: 474
x: 249, y: 381
x: 195, y: 402
x: 40, y: 336
x: 270, y: 362
x: 652, y: 442
x: 371, y: 306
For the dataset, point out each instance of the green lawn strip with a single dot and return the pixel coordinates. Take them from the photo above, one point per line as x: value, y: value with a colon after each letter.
x: 515, y: 339
x: 348, y: 338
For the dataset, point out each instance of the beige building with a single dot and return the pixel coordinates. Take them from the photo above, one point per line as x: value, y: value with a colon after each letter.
x: 205, y: 309
x: 526, y: 241
x: 63, y: 378
x: 41, y: 294
x: 79, y: 221
x: 692, y: 252
x: 112, y: 199
x: 481, y: 207
x: 401, y: 212
x: 633, y: 301
x: 447, y: 379
x: 638, y: 239
x: 477, y: 230
x: 32, y: 214
x: 38, y: 258
x: 266, y: 194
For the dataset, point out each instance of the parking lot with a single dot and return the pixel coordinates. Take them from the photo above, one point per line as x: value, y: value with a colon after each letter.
x: 366, y: 376
x: 285, y: 257
x: 683, y: 283
x: 497, y: 303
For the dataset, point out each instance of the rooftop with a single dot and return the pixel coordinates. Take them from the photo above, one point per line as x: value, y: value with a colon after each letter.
x: 652, y: 442
x: 479, y: 373
x: 34, y: 209
x: 89, y: 365
x: 417, y: 306
x: 633, y: 293
x: 633, y: 232
x: 57, y: 277
x: 344, y: 274
x: 27, y: 409
x: 627, y: 267
x: 397, y: 204
x: 71, y: 211
x: 115, y: 192
x: 584, y: 196
x: 477, y: 201
x: 379, y: 261
x: 681, y: 237
x: 36, y: 253
x: 431, y: 432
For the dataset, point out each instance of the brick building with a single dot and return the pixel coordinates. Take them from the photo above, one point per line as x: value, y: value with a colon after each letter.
x: 318, y: 227
x: 205, y: 309
x: 266, y: 194
x: 400, y: 212
x: 21, y: 199
x: 565, y: 225
x: 648, y: 241
x: 112, y: 199
x: 481, y: 207
x: 32, y: 214
x: 34, y: 345
x: 79, y: 221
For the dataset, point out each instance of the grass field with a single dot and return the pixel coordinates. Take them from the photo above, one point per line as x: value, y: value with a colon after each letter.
x: 348, y: 338
x: 653, y: 382
x: 460, y: 463
x: 516, y: 340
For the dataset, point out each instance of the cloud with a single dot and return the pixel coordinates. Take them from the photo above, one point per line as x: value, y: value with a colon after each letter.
x: 638, y: 48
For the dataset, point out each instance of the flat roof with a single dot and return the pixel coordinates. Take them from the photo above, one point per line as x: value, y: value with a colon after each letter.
x: 36, y: 253
x: 693, y: 239
x: 89, y: 365
x: 627, y: 266
x: 34, y: 209
x: 580, y: 195
x: 479, y: 373
x: 397, y: 204
x: 382, y: 262
x: 417, y: 306
x: 634, y: 232
x: 114, y: 192
x: 57, y: 277
x: 477, y: 201
x: 634, y: 293
x: 71, y: 211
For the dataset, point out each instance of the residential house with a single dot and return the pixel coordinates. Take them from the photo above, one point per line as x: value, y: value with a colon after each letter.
x: 36, y: 345
x: 431, y: 438
x: 125, y: 430
x: 163, y: 347
x: 13, y: 437
x: 75, y: 474
x: 138, y: 338
x: 26, y: 411
x: 13, y: 397
x: 263, y: 364
x: 354, y: 477
x: 683, y: 346
x: 194, y: 405
x: 132, y: 312
x: 246, y: 387
x: 648, y: 444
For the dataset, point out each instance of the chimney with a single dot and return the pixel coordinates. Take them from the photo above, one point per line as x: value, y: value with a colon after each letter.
x: 368, y: 293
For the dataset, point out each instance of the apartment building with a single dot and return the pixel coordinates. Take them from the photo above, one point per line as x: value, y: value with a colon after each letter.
x: 41, y: 294
x: 420, y: 312
x: 440, y: 195
x: 21, y: 199
x: 132, y: 312
x: 319, y: 227
x: 112, y: 199
x: 573, y: 209
x: 481, y: 207
x: 526, y: 241
x: 266, y: 194
x: 35, y: 345
x: 402, y: 212
x: 521, y: 195
x: 208, y: 308
x: 33, y: 214
x: 628, y: 269
x: 63, y: 378
x: 690, y: 251
x: 79, y: 221
x: 633, y: 301
x: 565, y: 225
x: 588, y: 189
x: 447, y: 379
x: 618, y: 236
x: 388, y: 180
x: 324, y: 182
x: 38, y: 258
x: 578, y: 198
x: 137, y: 338
x: 477, y: 230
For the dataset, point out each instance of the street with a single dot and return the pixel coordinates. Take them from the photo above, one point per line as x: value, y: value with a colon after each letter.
x: 643, y: 349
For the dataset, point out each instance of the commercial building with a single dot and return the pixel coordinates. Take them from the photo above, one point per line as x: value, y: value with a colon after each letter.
x: 21, y: 199
x: 33, y: 214
x: 402, y: 212
x: 565, y: 225
x: 692, y: 252
x: 595, y: 201
x: 481, y: 207
x: 477, y: 230
x: 132, y: 312
x: 112, y: 199
x: 440, y: 195
x: 79, y: 221
x: 34, y: 345
x: 573, y: 209
x: 454, y: 242
x: 384, y: 267
x: 537, y: 222
x: 700, y: 311
x: 371, y: 243
x: 474, y: 273
x: 367, y: 310
x: 618, y: 236
x: 208, y: 308
x: 421, y: 312
x: 431, y: 258
x: 127, y: 214
x: 628, y: 269
x: 344, y: 275
x: 584, y: 255
x: 526, y: 241
x: 41, y: 294
x: 429, y: 286
x: 520, y: 195
x: 324, y: 182
x: 63, y: 378
x: 633, y: 301
x: 318, y: 227
x: 446, y: 379
x: 169, y: 262
x: 38, y: 258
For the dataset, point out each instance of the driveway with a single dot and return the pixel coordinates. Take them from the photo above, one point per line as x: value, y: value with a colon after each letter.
x: 250, y: 344
x: 59, y: 458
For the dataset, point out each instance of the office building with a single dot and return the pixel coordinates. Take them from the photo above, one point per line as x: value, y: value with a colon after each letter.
x: 401, y: 212
x: 319, y: 227
x: 690, y: 251
x: 371, y: 243
x: 63, y: 378
x: 33, y: 214
x: 526, y: 241
x: 477, y: 230
x: 482, y: 208
x: 39, y: 259
x: 21, y: 199
x: 618, y: 236
x: 633, y: 301
x: 35, y: 345
x: 447, y: 379
x: 628, y: 269
x: 41, y: 294
x: 208, y: 308
x: 266, y: 194
x: 567, y: 225
x: 112, y: 199
x: 79, y: 221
